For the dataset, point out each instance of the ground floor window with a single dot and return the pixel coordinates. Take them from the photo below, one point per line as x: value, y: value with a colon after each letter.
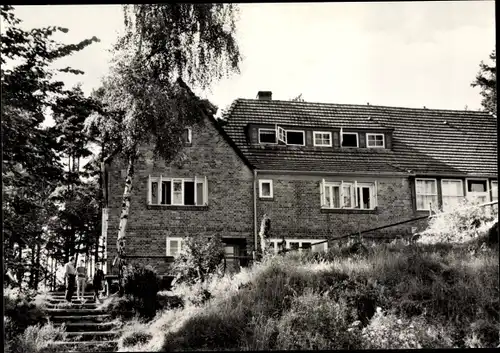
x: 494, y: 191
x: 174, y: 245
x: 453, y: 193
x: 477, y: 190
x: 349, y: 194
x: 302, y: 245
x: 426, y: 192
x: 178, y: 191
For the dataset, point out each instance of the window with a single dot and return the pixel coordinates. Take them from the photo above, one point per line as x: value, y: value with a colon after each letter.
x: 266, y: 188
x: 349, y: 194
x: 494, y: 191
x: 173, y: 246
x: 349, y: 139
x: 302, y: 245
x: 375, y: 140
x: 477, y: 190
x: 295, y: 137
x: 322, y: 139
x: 188, y: 135
x: 178, y: 191
x: 267, y: 136
x: 453, y: 193
x: 281, y: 134
x: 426, y: 192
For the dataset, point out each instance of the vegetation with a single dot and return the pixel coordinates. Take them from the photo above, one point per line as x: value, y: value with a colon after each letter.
x: 486, y: 79
x: 396, y: 295
x: 199, y: 258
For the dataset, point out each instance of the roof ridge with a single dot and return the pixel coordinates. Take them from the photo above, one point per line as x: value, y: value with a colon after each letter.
x: 365, y: 106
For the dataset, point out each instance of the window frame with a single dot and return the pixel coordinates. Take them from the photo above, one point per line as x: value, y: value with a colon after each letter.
x: 484, y: 193
x: 494, y: 190
x: 416, y: 194
x: 349, y: 133
x: 322, y: 133
x: 268, y: 129
x: 168, y: 249
x: 375, y: 134
x: 262, y: 181
x: 355, y: 186
x: 296, y: 144
x: 442, y: 191
x: 276, y: 241
x: 159, y: 180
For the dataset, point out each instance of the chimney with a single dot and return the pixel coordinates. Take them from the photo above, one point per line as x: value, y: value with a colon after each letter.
x: 264, y: 95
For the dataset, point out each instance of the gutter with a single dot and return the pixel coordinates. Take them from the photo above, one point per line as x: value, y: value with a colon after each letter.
x: 307, y: 172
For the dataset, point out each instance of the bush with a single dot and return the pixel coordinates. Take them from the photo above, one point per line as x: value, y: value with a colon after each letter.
x: 199, y: 258
x: 167, y: 302
x: 120, y: 307
x: 37, y: 339
x: 135, y: 338
x: 141, y: 283
x: 316, y: 322
x: 22, y: 311
x: 462, y: 224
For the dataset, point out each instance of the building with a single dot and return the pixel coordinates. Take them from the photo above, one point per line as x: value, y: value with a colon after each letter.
x: 316, y: 170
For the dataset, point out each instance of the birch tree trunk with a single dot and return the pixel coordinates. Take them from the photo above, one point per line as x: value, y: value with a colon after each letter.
x: 120, y: 240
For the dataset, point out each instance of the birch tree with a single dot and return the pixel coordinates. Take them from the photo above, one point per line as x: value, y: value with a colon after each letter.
x: 147, y: 101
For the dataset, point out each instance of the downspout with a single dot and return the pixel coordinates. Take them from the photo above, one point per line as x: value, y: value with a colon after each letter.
x: 255, y: 212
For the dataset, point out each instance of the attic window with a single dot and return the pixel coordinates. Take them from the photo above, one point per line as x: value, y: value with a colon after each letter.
x: 295, y: 137
x: 375, y: 140
x: 349, y: 139
x: 267, y: 136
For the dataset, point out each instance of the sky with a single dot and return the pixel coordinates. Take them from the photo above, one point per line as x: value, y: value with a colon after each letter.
x: 406, y: 54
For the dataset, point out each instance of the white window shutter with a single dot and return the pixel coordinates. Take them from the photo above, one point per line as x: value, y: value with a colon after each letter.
x: 149, y: 189
x: 205, y: 191
x: 159, y: 190
x: 195, y: 193
x: 322, y: 193
x: 375, y: 193
x: 356, y: 194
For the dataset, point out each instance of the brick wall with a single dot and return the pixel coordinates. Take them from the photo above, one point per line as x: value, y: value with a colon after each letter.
x: 295, y: 208
x: 230, y: 202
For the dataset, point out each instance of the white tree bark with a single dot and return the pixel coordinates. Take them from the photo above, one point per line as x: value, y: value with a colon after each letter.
x: 120, y: 240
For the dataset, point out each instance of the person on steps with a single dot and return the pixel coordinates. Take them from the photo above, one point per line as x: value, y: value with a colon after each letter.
x: 97, y: 282
x: 70, y: 276
x: 81, y: 280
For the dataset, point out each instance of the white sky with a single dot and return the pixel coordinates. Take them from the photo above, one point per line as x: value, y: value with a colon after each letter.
x: 407, y: 54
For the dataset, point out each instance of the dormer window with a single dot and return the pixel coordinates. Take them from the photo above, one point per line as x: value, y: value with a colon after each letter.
x: 267, y: 136
x: 295, y: 137
x: 322, y: 139
x: 375, y: 141
x: 349, y: 139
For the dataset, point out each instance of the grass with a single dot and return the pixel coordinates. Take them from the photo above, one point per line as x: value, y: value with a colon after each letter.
x: 442, y: 294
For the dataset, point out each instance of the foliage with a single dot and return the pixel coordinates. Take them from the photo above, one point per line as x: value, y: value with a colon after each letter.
x: 31, y: 163
x: 486, y: 79
x: 37, y: 339
x: 199, y: 258
x: 142, y: 283
x: 461, y: 224
x: 21, y: 311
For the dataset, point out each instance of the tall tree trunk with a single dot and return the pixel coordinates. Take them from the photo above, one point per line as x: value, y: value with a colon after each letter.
x: 31, y: 283
x: 120, y: 240
x: 37, y: 266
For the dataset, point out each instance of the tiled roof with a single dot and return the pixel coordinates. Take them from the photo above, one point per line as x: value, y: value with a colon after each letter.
x: 422, y: 142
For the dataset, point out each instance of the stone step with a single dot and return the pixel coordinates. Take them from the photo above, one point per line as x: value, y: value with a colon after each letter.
x: 91, y: 336
x: 63, y: 297
x: 87, y: 346
x: 73, y: 318
x: 86, y: 326
x: 74, y: 312
x: 71, y: 306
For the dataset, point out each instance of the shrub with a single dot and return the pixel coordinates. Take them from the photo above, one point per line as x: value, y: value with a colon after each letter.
x: 22, y: 310
x: 388, y: 331
x: 199, y: 258
x: 37, y: 339
x: 141, y: 283
x: 166, y: 301
x: 135, y: 338
x: 463, y: 223
x: 316, y: 322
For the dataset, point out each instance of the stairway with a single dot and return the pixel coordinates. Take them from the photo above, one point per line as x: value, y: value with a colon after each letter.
x: 88, y: 329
